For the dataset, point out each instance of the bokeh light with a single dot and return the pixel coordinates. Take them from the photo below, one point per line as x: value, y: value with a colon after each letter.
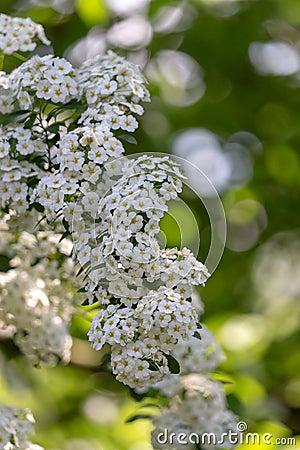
x: 274, y: 58
x: 225, y: 166
x: 179, y: 77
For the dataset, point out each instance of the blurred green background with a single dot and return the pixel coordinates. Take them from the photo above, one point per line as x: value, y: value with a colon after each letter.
x: 224, y: 78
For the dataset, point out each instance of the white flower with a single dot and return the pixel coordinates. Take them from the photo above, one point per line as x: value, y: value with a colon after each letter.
x: 113, y: 147
x: 107, y: 86
x: 128, y: 123
x: 6, y: 104
x: 15, y: 426
x: 91, y: 201
x: 4, y: 148
x: 97, y: 155
x: 18, y: 34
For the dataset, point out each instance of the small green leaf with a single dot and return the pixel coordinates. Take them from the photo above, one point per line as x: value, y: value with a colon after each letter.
x: 150, y: 405
x: 222, y: 377
x: 138, y: 417
x: 66, y: 224
x: 37, y: 206
x: 82, y: 268
x: 9, y: 117
x: 106, y: 358
x: 4, y: 263
x: 136, y: 396
x: 54, y: 127
x: 65, y: 235
x: 197, y: 335
x: 53, y: 113
x: 81, y: 290
x: 153, y: 366
x: 1, y: 59
x: 173, y: 364
x: 30, y: 120
x: 128, y: 138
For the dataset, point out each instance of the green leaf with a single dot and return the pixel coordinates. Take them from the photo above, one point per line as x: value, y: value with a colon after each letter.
x: 4, y: 263
x: 150, y: 405
x: 128, y: 138
x: 9, y: 117
x: 66, y: 224
x: 138, y: 417
x: 30, y: 120
x: 65, y: 235
x: 54, y: 113
x: 197, y: 335
x: 81, y: 290
x: 82, y: 268
x: 37, y: 206
x: 173, y: 364
x: 92, y: 12
x: 1, y: 59
x: 152, y: 365
x: 54, y: 127
x: 222, y: 377
x: 106, y: 358
x: 85, y: 303
x: 136, y: 396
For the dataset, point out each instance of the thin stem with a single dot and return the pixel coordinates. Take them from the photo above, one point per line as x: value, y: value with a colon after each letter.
x: 20, y: 57
x: 1, y: 60
x: 45, y: 132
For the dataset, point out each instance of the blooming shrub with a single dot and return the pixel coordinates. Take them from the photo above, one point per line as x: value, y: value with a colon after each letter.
x: 62, y: 163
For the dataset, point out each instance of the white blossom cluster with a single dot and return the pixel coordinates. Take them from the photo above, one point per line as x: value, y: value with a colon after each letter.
x: 36, y: 294
x: 113, y: 89
x: 43, y: 77
x: 19, y: 34
x: 61, y: 154
x: 195, y: 356
x: 197, y: 404
x: 199, y: 355
x: 201, y: 411
x: 144, y: 290
x: 66, y: 159
x: 15, y: 426
x: 141, y: 337
x: 17, y: 169
x: 41, y: 152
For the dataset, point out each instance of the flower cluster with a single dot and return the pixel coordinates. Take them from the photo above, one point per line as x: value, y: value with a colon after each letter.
x: 112, y: 93
x: 36, y: 294
x: 144, y: 290
x: 202, y: 411
x: 141, y: 337
x: 47, y: 78
x: 41, y: 152
x: 19, y: 34
x: 195, y: 356
x: 122, y: 207
x: 61, y: 154
x: 65, y: 160
x: 15, y: 425
x: 197, y: 404
x: 109, y: 96
x: 18, y: 150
